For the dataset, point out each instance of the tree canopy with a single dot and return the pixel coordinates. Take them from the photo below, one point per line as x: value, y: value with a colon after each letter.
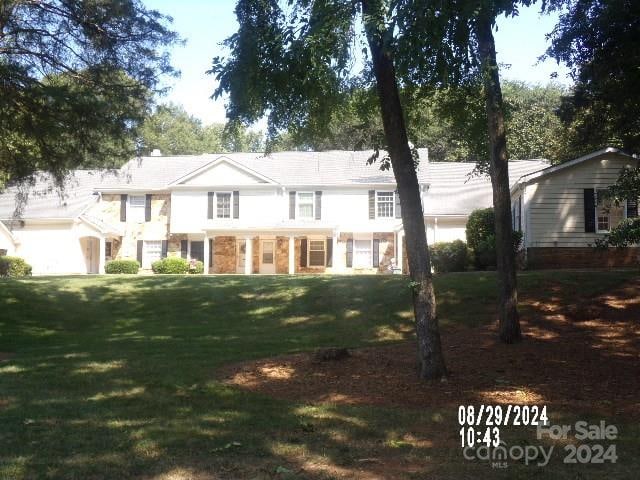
x: 76, y: 79
x: 451, y: 122
x: 175, y: 132
x: 598, y: 41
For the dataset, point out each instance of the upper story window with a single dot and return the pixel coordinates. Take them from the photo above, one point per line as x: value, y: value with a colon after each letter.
x: 305, y: 205
x: 384, y: 204
x: 223, y: 205
x: 608, y: 214
x: 136, y: 208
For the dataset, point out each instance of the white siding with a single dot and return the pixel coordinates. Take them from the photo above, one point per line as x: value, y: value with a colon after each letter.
x: 446, y: 229
x: 554, y: 204
x: 51, y: 249
x: 223, y: 174
x: 6, y: 242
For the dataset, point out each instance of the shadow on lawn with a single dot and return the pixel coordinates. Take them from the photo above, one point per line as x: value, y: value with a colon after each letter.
x: 113, y: 379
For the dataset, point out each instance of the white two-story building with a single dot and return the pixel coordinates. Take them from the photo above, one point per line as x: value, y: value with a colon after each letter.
x: 289, y: 212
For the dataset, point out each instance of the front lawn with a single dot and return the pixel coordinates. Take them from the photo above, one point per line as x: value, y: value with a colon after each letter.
x: 115, y: 377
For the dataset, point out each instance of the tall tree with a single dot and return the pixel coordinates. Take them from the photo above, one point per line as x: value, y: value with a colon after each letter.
x: 298, y: 64
x: 508, y: 319
x: 76, y: 79
x: 599, y: 41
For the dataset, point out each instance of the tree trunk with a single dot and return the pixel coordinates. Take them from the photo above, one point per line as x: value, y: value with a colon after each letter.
x: 431, y: 360
x: 508, y: 322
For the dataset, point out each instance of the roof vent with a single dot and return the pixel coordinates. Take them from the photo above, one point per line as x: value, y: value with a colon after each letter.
x: 156, y: 152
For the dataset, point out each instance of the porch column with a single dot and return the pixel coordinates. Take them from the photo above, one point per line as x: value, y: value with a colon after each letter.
x: 248, y: 255
x: 399, y: 258
x: 292, y: 255
x: 435, y: 229
x: 334, y: 249
x: 206, y: 255
x: 101, y: 254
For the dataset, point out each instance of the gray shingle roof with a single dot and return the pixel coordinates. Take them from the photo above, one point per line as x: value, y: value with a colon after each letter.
x: 452, y: 191
x: 45, y: 200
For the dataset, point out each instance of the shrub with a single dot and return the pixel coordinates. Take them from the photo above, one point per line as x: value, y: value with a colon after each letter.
x: 480, y: 225
x: 171, y: 265
x: 128, y: 266
x: 196, y: 266
x: 14, y: 267
x: 481, y: 238
x: 449, y: 256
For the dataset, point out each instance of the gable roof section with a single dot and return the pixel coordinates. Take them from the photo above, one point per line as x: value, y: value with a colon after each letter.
x: 571, y: 163
x: 214, y: 163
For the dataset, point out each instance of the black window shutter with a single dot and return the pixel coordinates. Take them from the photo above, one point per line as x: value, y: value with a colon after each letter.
x: 318, y: 205
x: 350, y: 253
x: 632, y: 208
x: 376, y: 252
x: 147, y: 208
x: 236, y: 204
x: 292, y: 205
x: 372, y: 204
x: 123, y: 208
x: 210, y: 205
x: 139, y: 252
x: 211, y: 252
x: 397, y: 202
x: 589, y: 210
x: 520, y: 213
x: 329, y: 252
x: 164, y: 248
x: 184, y: 248
x: 303, y: 252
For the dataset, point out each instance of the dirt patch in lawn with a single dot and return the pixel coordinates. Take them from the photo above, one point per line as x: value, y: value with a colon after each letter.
x: 581, y: 357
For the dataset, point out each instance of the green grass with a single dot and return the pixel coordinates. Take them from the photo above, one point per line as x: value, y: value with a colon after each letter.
x: 113, y: 377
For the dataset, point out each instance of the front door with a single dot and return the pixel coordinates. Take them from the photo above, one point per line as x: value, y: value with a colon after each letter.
x: 240, y: 250
x: 267, y: 256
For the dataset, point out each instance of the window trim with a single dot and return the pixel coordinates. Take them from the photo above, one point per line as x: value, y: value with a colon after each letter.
x: 323, y: 241
x: 136, y: 213
x: 393, y: 203
x: 622, y: 205
x: 313, y: 205
x: 230, y: 193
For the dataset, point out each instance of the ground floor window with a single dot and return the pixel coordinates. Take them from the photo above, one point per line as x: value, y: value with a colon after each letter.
x: 361, y: 253
x: 152, y: 252
x: 608, y: 214
x: 316, y: 253
x: 107, y: 249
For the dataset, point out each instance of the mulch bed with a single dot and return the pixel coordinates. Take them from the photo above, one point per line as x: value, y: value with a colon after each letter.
x: 581, y: 358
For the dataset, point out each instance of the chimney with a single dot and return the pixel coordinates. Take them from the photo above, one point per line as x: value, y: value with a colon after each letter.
x: 156, y: 152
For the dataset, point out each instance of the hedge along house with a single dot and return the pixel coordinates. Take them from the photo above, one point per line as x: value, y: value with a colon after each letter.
x: 562, y: 212
x: 289, y: 212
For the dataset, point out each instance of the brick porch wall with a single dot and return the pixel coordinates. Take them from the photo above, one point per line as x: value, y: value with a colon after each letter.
x: 576, y: 257
x: 282, y: 255
x: 224, y: 255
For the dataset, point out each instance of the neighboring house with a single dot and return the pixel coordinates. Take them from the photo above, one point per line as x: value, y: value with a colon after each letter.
x: 561, y: 212
x: 289, y: 212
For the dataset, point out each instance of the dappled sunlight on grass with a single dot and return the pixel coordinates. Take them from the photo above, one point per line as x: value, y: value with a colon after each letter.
x: 130, y: 393
x: 99, y: 367
x: 115, y: 377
